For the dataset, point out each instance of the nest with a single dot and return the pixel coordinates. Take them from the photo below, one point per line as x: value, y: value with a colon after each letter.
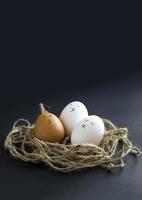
x: 65, y: 157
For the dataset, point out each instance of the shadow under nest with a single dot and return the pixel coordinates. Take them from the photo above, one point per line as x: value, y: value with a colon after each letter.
x: 65, y: 157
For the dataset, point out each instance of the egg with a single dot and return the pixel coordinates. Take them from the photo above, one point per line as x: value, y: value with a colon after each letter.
x: 89, y: 130
x: 49, y: 128
x: 72, y: 114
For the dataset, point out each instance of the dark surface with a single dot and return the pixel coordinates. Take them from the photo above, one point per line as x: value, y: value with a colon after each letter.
x: 119, y: 101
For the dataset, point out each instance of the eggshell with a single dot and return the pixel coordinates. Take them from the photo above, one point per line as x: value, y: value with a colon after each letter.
x: 49, y: 128
x: 72, y: 114
x: 89, y: 130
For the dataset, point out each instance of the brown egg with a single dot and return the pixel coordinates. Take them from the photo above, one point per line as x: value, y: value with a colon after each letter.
x: 48, y: 127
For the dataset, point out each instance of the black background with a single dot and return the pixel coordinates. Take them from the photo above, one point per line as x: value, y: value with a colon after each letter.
x: 56, y: 54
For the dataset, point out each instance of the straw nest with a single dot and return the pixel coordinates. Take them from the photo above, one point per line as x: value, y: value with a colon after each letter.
x: 65, y: 157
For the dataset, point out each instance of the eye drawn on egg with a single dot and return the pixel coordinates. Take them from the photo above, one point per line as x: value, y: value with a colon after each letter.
x: 92, y: 123
x: 72, y: 109
x: 76, y: 106
x: 84, y: 126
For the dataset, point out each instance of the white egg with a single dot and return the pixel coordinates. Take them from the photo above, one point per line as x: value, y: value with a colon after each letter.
x: 89, y: 130
x: 72, y: 114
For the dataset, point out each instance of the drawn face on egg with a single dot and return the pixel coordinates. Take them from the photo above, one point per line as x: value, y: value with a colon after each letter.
x: 72, y: 107
x: 72, y: 114
x: 86, y: 123
x: 89, y: 130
